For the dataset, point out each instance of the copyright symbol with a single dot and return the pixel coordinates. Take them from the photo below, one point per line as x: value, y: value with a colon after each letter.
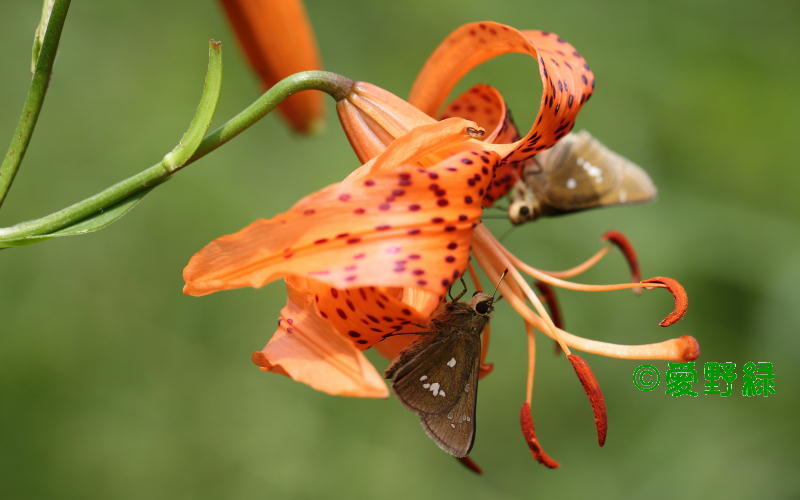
x: 646, y: 377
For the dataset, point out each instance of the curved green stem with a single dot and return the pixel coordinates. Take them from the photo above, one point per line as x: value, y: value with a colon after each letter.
x: 35, y: 98
x: 335, y: 85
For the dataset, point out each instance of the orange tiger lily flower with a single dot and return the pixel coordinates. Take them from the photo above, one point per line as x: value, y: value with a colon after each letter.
x: 373, y: 117
x: 278, y: 41
x: 366, y: 257
x: 376, y: 253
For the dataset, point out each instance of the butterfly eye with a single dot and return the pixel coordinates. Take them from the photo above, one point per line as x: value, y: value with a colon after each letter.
x: 483, y: 307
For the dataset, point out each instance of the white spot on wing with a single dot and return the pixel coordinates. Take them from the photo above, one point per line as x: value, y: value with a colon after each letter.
x: 571, y: 183
x: 441, y: 393
x: 425, y: 386
x: 452, y: 362
x: 453, y: 426
x: 423, y: 378
x: 592, y: 170
x: 434, y: 388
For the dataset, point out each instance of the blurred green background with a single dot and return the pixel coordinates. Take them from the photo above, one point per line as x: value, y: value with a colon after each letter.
x: 115, y: 385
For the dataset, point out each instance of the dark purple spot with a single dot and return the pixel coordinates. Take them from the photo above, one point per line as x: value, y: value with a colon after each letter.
x: 468, y: 200
x: 320, y: 241
x: 354, y: 334
x: 466, y: 161
x: 442, y: 202
x: 414, y: 207
x: 369, y: 182
x: 413, y: 231
x: 452, y: 245
x: 437, y: 220
x: 353, y: 240
x: 382, y: 227
x: 359, y: 211
x: 450, y: 228
x: 449, y: 258
x: 344, y: 197
x: 309, y: 211
x: 384, y: 206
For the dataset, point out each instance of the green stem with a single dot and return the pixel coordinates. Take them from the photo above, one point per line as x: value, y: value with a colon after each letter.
x: 335, y: 85
x: 35, y: 98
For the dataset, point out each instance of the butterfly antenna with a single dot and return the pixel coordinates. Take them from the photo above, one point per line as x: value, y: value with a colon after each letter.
x: 502, y: 277
x: 508, y: 231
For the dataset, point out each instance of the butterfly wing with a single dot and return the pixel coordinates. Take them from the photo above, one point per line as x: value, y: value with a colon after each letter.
x: 454, y: 430
x: 577, y: 172
x: 431, y: 380
x: 580, y: 173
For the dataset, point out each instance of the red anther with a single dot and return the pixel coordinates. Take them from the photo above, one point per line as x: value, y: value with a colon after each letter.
x: 678, y: 293
x: 485, y: 369
x: 526, y: 421
x: 620, y: 241
x: 592, y: 389
x: 470, y: 464
x: 550, y: 299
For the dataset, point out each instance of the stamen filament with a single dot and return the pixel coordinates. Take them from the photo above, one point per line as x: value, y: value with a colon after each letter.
x: 684, y: 348
x: 582, y: 267
x: 483, y: 234
x: 523, y: 289
x: 531, y: 362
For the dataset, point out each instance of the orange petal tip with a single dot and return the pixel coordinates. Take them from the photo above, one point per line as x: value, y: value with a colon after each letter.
x: 485, y: 369
x: 526, y: 422
x: 678, y: 293
x: 470, y: 464
x: 592, y: 388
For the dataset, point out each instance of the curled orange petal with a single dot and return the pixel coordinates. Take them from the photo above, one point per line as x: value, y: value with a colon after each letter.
x: 566, y: 78
x: 678, y: 293
x: 526, y: 422
x: 278, y: 41
x: 307, y: 348
x: 594, y: 393
x: 620, y: 241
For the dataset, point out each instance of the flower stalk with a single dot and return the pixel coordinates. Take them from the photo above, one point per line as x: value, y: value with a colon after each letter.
x: 335, y: 85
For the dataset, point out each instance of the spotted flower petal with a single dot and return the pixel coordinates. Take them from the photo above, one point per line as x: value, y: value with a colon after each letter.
x: 567, y: 81
x: 278, y: 41
x: 390, y: 223
x: 308, y: 349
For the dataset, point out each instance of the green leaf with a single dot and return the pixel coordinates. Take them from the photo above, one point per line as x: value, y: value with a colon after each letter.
x: 89, y: 225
